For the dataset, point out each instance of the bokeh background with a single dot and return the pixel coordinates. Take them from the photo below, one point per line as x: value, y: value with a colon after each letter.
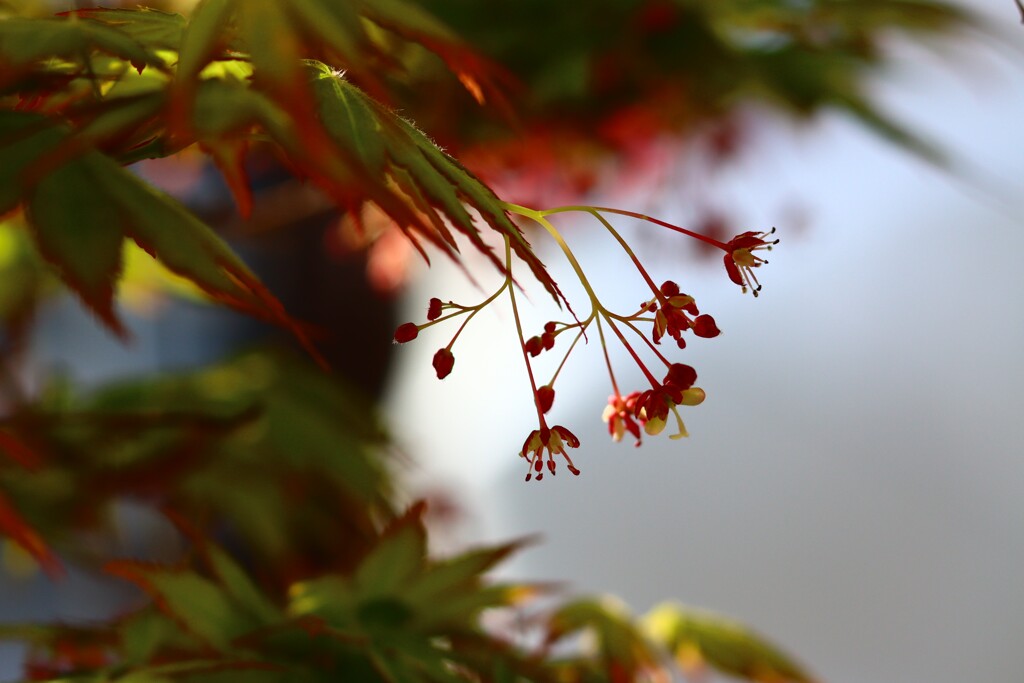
x: 854, y: 485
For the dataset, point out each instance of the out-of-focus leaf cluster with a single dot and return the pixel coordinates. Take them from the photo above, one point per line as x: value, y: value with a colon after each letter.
x: 591, y: 66
x: 274, y: 455
x: 399, y: 615
x: 92, y: 90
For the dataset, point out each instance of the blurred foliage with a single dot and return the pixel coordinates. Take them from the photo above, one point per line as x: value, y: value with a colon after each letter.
x: 299, y: 563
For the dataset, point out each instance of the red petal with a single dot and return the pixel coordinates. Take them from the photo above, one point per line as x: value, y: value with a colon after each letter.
x: 704, y: 326
x: 733, y: 269
x: 568, y: 437
x: 680, y: 375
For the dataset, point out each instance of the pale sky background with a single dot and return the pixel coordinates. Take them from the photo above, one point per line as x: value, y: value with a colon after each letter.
x: 854, y: 484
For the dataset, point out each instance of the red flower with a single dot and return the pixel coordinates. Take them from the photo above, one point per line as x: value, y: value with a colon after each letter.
x: 671, y: 316
x: 740, y: 259
x: 553, y: 440
x: 652, y: 406
x: 619, y: 416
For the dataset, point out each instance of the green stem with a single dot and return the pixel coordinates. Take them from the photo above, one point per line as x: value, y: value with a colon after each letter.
x: 538, y: 217
x: 629, y: 251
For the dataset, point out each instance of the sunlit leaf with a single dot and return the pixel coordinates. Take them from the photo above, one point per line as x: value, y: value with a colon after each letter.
x: 695, y: 637
x: 431, y: 188
x: 151, y: 27
x: 81, y: 211
x: 24, y: 43
x: 619, y: 642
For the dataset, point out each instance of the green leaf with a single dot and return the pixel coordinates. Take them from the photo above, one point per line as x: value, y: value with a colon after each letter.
x: 338, y: 25
x: 197, y: 604
x: 619, y: 641
x: 26, y: 43
x: 153, y: 28
x: 694, y: 637
x: 79, y: 231
x: 81, y: 211
x: 241, y: 588
x: 399, y: 556
x: 205, y: 35
x: 383, y: 149
x: 458, y: 573
x: 148, y: 631
x: 24, y: 138
x: 330, y: 597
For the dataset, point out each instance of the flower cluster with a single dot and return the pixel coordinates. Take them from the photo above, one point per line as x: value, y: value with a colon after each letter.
x: 668, y: 311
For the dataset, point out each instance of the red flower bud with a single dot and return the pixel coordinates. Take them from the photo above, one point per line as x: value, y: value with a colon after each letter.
x: 434, y: 309
x: 681, y: 375
x: 406, y: 332
x: 534, y: 346
x: 444, y: 361
x: 669, y: 288
x: 704, y: 326
x: 546, y: 397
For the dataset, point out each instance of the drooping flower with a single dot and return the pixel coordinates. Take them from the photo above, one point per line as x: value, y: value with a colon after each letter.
x: 670, y: 316
x: 550, y: 440
x: 740, y: 259
x: 620, y: 418
x: 652, y: 406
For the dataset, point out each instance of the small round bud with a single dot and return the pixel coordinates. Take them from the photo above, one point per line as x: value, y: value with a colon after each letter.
x: 534, y: 346
x: 406, y: 332
x: 545, y: 397
x: 704, y: 326
x: 434, y: 309
x: 444, y: 361
x: 669, y: 288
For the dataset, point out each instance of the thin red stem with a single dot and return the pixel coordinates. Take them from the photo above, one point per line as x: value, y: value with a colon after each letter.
x: 639, y: 362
